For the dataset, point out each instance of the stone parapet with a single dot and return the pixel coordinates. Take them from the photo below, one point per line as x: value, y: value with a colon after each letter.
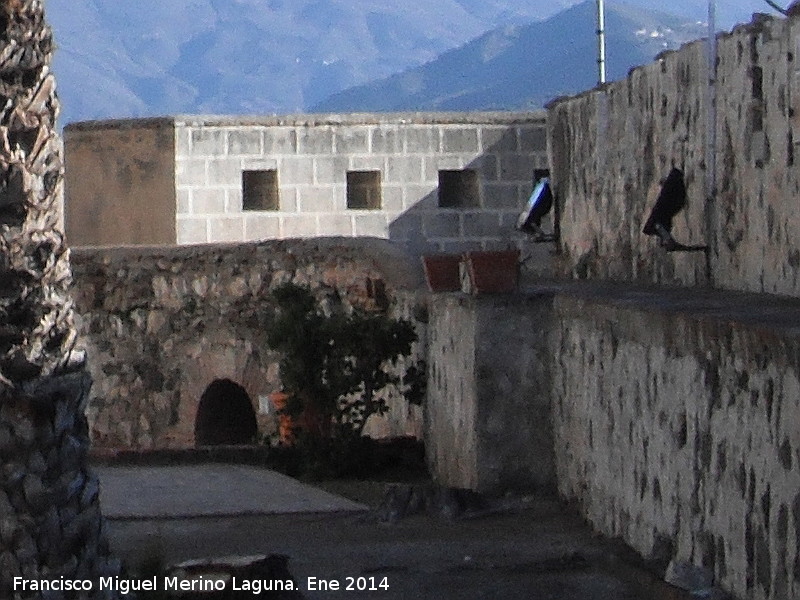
x: 611, y: 148
x: 160, y: 324
x: 672, y: 415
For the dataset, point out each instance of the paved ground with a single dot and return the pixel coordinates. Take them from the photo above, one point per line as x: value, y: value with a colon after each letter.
x: 209, y: 490
x: 541, y: 550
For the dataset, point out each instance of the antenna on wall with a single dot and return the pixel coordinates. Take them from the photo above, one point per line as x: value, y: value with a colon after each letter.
x: 783, y: 11
x: 601, y: 42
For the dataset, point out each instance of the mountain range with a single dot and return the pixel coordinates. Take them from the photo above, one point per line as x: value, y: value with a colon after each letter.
x: 125, y: 59
x: 524, y: 66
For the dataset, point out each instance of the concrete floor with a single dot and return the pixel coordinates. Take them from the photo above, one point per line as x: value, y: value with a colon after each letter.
x: 541, y: 550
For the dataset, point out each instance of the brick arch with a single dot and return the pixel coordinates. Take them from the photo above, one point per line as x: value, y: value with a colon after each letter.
x: 225, y: 415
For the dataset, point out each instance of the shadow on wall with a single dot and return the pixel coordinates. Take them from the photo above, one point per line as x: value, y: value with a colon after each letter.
x: 225, y: 416
x: 476, y: 204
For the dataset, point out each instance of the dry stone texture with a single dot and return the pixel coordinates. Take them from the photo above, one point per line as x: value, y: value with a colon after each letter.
x: 160, y: 324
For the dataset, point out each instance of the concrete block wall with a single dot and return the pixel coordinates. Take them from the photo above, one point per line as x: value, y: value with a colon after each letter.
x: 611, y: 147
x: 312, y: 155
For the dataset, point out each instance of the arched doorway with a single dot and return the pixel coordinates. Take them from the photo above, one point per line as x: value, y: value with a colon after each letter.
x: 225, y: 416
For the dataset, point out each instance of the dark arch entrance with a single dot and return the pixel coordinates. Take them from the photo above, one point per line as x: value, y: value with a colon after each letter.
x: 225, y: 416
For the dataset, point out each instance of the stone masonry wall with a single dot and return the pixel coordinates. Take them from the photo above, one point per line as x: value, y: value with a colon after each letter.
x: 671, y: 416
x: 678, y: 423
x: 160, y: 324
x: 488, y: 410
x: 610, y: 148
x: 313, y: 154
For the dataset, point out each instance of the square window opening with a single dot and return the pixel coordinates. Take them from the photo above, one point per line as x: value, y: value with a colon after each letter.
x: 260, y: 190
x: 459, y: 189
x: 364, y: 190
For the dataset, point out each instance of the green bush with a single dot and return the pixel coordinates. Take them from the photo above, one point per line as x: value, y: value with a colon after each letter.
x: 338, y: 367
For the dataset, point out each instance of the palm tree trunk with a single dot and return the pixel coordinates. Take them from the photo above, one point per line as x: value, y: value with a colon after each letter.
x: 50, y: 522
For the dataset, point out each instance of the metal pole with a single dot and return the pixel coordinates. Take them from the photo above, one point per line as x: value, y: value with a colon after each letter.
x: 601, y: 42
x: 711, y: 146
x: 711, y: 141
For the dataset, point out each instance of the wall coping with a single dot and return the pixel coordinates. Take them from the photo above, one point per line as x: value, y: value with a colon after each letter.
x: 316, y: 120
x: 402, y: 270
x: 766, y: 313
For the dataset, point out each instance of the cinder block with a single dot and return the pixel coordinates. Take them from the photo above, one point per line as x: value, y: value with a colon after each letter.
x: 299, y: 226
x: 351, y: 140
x: 502, y: 195
x: 488, y: 166
x: 261, y: 227
x: 191, y: 171
x: 393, y: 198
x: 406, y: 227
x: 500, y: 244
x: 434, y: 164
x: 498, y: 139
x: 336, y: 224
x: 404, y: 169
x: 280, y: 141
x: 517, y: 167
x: 330, y: 169
x: 422, y: 140
x: 208, y: 201
x: 184, y: 201
x: 183, y: 142
x: 315, y: 199
x: 423, y: 196
x: 386, y: 139
x: 444, y: 224
x: 192, y: 231
x: 288, y: 199
x: 259, y: 164
x: 460, y: 140
x: 508, y: 223
x: 208, y: 141
x: 458, y: 246
x: 540, y: 160
x: 225, y: 171
x: 533, y: 139
x: 315, y: 140
x: 371, y: 224
x: 226, y: 229
x: 233, y: 200
x: 480, y: 224
x: 245, y: 142
x: 367, y: 163
x: 294, y: 170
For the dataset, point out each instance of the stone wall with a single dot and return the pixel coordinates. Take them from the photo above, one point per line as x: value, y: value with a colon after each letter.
x: 611, y: 147
x: 672, y: 416
x: 488, y: 407
x: 160, y: 324
x: 678, y: 422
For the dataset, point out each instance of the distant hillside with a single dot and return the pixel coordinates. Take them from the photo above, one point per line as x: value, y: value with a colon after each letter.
x: 120, y: 58
x: 521, y: 67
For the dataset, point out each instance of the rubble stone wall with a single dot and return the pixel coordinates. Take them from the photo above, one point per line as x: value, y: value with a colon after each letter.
x: 611, y: 147
x: 160, y: 324
x: 672, y: 416
x: 488, y: 393
x: 682, y: 426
